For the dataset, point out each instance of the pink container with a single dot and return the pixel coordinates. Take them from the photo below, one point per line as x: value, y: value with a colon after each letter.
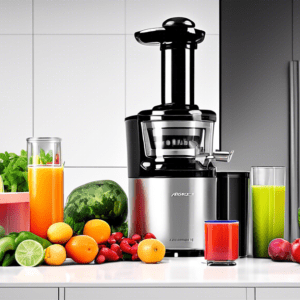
x: 14, y: 212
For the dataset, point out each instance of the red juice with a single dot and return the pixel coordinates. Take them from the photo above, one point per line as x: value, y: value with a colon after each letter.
x: 221, y: 241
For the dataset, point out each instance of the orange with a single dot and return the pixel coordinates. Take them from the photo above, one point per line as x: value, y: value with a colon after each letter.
x: 59, y: 233
x: 98, y: 230
x: 151, y: 251
x: 55, y: 255
x: 82, y: 249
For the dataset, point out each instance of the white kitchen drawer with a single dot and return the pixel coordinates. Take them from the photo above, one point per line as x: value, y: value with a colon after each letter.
x: 28, y: 294
x: 277, y: 293
x: 155, y: 293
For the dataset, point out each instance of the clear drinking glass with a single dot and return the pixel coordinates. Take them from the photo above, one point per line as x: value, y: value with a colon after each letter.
x: 221, y: 242
x: 46, y: 183
x: 268, y: 206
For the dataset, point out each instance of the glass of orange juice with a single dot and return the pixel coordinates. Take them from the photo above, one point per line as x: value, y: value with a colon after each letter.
x: 46, y: 183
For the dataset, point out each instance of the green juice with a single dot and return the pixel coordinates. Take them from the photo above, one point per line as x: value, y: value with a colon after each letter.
x: 268, y: 202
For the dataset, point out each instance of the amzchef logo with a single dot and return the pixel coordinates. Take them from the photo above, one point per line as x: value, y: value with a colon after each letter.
x: 182, y: 194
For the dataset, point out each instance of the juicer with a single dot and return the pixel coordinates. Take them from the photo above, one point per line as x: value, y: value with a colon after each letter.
x: 172, y: 178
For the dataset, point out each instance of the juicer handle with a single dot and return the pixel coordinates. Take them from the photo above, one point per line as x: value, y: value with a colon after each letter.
x: 223, y: 156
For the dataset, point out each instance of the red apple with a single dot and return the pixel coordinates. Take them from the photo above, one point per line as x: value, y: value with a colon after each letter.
x: 295, y: 253
x: 280, y: 249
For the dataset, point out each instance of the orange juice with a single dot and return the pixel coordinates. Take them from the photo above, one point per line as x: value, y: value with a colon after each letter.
x: 46, y: 191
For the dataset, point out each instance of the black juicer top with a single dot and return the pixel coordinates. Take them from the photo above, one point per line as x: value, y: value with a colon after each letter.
x: 161, y: 141
x: 178, y: 40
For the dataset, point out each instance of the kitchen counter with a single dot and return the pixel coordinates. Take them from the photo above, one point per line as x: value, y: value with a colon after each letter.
x: 248, y: 276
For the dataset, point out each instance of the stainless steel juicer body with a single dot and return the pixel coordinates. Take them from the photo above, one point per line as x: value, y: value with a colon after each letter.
x: 172, y: 179
x: 174, y: 209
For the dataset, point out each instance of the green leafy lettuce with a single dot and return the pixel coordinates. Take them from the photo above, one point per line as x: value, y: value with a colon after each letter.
x: 13, y: 170
x: 103, y: 200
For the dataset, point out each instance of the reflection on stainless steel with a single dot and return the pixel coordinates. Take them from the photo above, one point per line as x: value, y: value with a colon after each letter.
x: 173, y: 208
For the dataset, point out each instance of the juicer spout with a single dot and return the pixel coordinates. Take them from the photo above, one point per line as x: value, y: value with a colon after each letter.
x: 223, y: 156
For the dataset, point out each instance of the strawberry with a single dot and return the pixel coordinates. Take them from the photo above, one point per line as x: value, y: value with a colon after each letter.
x: 149, y: 236
x: 125, y: 247
x: 134, y: 249
x: 118, y: 236
x: 129, y: 241
x: 111, y: 240
x: 100, y: 259
x: 135, y: 257
x: 136, y: 237
x: 56, y: 159
x: 109, y: 254
x: 117, y: 249
x: 102, y: 246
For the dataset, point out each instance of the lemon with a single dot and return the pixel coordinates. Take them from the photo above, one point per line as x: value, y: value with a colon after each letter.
x: 151, y: 251
x: 29, y: 254
x: 59, y: 233
x: 55, y: 255
x: 1, y: 185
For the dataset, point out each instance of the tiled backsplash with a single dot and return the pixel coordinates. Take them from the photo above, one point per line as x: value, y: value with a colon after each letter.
x: 72, y: 68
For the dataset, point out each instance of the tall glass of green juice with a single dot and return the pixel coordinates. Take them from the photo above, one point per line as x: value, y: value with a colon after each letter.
x: 268, y: 207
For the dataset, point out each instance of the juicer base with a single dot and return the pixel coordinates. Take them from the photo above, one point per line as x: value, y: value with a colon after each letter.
x: 184, y: 253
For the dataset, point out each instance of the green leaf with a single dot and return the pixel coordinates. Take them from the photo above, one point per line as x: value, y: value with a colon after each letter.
x: 43, y: 157
x: 24, y: 153
x: 14, y: 188
x: 13, y: 170
x: 13, y: 155
x: 49, y: 156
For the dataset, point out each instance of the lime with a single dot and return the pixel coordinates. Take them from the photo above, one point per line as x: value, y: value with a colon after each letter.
x: 1, y: 185
x: 2, y: 232
x: 29, y: 253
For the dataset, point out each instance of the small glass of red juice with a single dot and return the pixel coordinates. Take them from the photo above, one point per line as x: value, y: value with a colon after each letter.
x: 221, y: 242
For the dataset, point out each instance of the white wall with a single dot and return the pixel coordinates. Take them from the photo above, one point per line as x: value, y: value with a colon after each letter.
x: 72, y: 69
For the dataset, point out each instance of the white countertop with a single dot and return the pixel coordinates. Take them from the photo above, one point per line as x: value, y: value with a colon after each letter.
x: 171, y: 272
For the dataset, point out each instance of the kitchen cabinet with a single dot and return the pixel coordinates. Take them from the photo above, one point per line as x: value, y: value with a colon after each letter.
x: 156, y: 293
x: 29, y: 293
x: 277, y: 293
x: 173, y: 278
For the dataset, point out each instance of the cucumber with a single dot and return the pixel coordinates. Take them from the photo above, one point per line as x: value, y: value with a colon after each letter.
x: 26, y: 235
x: 9, y: 258
x: 7, y: 243
x: 13, y: 234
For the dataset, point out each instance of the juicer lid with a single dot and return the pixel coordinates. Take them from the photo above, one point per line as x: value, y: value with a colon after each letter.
x: 178, y: 39
x: 175, y: 32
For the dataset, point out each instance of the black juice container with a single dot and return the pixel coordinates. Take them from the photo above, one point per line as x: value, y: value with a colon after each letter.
x: 232, y: 203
